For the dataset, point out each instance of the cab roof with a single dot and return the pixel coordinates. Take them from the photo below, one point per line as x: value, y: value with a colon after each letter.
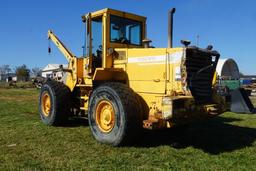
x: 117, y: 13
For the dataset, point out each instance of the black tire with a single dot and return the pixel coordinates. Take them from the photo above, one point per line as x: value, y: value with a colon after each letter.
x: 59, y: 95
x: 127, y: 115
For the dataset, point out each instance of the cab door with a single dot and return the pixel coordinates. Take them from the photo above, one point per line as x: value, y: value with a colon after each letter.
x: 94, y: 42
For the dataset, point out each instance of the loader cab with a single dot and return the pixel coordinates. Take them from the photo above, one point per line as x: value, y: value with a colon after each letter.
x: 108, y: 29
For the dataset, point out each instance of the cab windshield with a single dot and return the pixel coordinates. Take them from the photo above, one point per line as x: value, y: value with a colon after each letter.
x: 125, y: 31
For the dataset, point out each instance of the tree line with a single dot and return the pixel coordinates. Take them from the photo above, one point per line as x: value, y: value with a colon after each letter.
x: 22, y: 72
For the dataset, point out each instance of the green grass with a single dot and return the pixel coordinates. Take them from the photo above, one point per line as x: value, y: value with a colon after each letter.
x: 227, y: 142
x: 19, y: 84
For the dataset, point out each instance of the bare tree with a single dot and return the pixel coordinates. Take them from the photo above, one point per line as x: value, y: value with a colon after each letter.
x: 36, y: 71
x: 5, y: 69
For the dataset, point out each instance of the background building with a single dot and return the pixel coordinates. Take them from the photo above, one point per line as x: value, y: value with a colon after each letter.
x: 54, y: 71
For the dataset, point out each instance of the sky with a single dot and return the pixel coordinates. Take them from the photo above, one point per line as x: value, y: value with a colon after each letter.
x: 228, y: 25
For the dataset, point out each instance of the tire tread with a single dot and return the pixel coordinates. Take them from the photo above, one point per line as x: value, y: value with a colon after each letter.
x: 61, y: 97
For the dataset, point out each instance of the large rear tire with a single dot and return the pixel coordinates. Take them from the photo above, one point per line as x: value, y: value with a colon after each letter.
x: 54, y: 103
x: 114, y: 114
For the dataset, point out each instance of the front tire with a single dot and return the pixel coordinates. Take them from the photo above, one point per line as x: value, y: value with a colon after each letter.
x: 54, y: 103
x: 114, y: 115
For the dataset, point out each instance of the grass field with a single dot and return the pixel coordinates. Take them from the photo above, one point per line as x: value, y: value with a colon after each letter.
x: 227, y: 142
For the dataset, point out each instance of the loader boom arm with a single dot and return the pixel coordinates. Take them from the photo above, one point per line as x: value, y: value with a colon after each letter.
x: 65, y: 51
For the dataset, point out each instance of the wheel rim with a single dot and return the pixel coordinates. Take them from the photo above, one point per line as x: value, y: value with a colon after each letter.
x: 105, y: 116
x: 46, y: 104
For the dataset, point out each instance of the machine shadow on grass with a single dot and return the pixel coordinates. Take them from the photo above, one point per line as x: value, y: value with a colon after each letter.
x: 215, y: 136
x: 75, y: 122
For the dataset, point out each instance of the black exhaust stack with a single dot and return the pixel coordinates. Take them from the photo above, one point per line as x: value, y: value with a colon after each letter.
x: 170, y: 27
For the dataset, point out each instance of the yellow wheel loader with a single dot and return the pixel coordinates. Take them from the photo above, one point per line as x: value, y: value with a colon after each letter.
x: 122, y: 84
